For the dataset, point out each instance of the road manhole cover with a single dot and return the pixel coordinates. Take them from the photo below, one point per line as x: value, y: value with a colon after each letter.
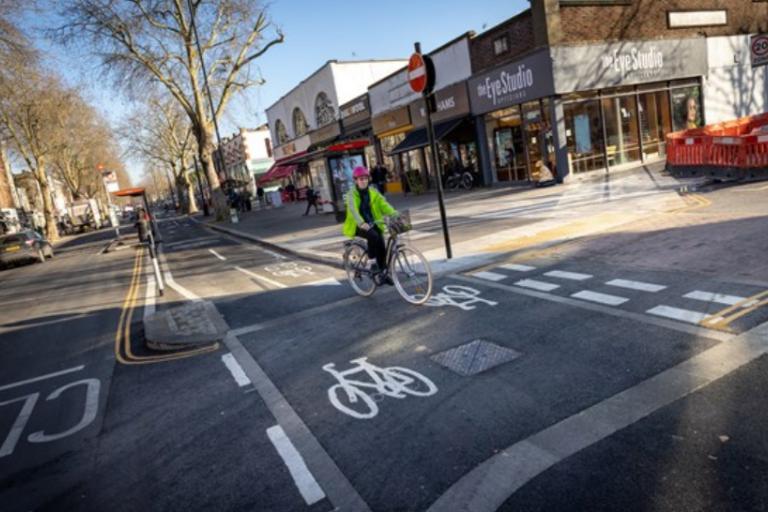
x: 475, y: 357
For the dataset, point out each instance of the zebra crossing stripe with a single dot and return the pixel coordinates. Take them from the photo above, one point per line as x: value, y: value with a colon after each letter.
x: 728, y: 300
x: 636, y: 285
x: 517, y: 267
x: 489, y: 276
x: 682, y: 315
x: 574, y: 276
x: 600, y: 298
x: 537, y: 285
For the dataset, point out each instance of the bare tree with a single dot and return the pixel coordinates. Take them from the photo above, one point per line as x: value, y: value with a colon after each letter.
x: 29, y: 103
x: 86, y: 145
x: 153, y: 41
x: 160, y: 134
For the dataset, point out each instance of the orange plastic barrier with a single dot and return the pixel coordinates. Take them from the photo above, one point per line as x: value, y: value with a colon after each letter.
x: 742, y: 143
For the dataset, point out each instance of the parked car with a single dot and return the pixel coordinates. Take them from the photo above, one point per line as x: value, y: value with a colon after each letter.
x: 25, y: 245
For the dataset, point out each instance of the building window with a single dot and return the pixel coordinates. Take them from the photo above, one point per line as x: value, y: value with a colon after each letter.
x: 268, y: 145
x: 300, y: 126
x: 500, y: 45
x: 324, y: 111
x: 282, y: 135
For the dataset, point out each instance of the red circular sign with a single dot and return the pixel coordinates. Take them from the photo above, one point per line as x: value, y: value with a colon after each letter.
x: 417, y: 73
x: 760, y: 45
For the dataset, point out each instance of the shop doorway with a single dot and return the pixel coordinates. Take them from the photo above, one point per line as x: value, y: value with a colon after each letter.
x: 655, y: 122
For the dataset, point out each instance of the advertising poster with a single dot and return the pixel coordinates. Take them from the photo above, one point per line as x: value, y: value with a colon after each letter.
x: 583, y: 137
x: 686, y: 108
x: 341, y: 170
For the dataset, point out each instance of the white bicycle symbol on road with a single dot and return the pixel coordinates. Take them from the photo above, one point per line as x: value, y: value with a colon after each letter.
x: 349, y: 395
x: 462, y: 297
x: 289, y: 269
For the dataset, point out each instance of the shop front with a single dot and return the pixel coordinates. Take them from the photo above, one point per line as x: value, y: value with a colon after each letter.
x: 454, y: 137
x: 619, y: 100
x: 356, y: 125
x: 390, y: 129
x: 512, y: 103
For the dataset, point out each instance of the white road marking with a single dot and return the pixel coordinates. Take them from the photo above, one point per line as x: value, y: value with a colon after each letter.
x: 260, y: 278
x: 180, y: 289
x: 574, y: 276
x: 302, y: 477
x: 489, y: 276
x: 222, y: 258
x: 149, y: 297
x: 601, y: 298
x: 271, y: 253
x: 537, y: 285
x: 323, y: 282
x: 636, y: 285
x: 236, y: 370
x: 683, y: 315
x: 728, y: 300
x: 517, y: 267
x: 42, y: 377
x: 193, y: 241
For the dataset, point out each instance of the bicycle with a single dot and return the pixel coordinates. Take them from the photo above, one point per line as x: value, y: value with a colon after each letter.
x: 408, y: 268
x: 393, y: 381
x: 460, y: 179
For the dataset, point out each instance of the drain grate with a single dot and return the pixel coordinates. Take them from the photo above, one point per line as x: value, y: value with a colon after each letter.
x: 475, y: 357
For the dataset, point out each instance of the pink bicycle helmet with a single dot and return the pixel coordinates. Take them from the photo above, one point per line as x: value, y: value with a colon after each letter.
x: 360, y: 171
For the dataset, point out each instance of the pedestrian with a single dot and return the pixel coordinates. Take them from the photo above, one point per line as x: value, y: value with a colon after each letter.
x: 311, y: 201
x: 291, y: 191
x: 379, y: 178
x: 546, y: 178
x: 260, y: 195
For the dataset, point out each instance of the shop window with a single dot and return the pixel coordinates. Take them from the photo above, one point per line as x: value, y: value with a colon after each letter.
x: 506, y: 136
x: 655, y: 123
x: 324, y: 111
x: 282, y: 135
x: 686, y: 108
x: 584, y: 136
x: 622, y: 144
x: 300, y: 126
x: 500, y: 45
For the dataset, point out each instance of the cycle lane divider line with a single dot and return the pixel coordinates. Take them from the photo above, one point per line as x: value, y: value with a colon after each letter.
x: 222, y: 258
x: 331, y: 480
x: 236, y: 370
x: 41, y: 377
x: 308, y: 487
x: 492, y: 482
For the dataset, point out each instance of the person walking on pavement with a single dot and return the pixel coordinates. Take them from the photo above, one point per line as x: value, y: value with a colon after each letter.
x: 311, y: 201
x: 365, y: 207
x: 379, y: 178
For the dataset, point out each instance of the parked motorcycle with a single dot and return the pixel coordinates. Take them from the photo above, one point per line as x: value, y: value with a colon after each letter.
x: 461, y: 178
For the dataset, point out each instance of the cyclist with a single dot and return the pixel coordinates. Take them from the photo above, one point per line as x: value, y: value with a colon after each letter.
x: 365, y: 207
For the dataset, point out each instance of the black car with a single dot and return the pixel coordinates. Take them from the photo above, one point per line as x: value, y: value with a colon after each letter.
x: 24, y: 246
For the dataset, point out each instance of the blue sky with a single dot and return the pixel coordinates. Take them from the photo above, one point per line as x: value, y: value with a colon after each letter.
x: 315, y: 32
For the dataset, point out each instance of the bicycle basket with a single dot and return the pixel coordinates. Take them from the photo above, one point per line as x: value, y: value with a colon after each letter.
x: 401, y: 224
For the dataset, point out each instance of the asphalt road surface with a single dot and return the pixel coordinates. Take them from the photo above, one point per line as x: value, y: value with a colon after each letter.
x: 549, y: 383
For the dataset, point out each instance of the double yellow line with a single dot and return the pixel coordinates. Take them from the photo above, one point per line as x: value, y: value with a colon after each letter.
x: 123, y: 351
x: 723, y: 318
x: 695, y: 201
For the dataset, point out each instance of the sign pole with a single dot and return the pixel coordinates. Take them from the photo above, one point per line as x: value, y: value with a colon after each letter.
x: 427, y: 94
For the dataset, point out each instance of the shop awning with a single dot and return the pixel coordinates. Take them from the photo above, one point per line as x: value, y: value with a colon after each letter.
x: 418, y: 138
x: 277, y: 172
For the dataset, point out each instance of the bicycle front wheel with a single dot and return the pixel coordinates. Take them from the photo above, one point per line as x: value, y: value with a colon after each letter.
x: 358, y: 273
x: 411, y: 274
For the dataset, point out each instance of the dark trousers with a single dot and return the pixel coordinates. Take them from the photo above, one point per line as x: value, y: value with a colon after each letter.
x: 311, y: 203
x: 376, y: 247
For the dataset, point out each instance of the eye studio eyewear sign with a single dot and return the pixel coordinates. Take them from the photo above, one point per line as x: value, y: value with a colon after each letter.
x: 526, y: 79
x: 578, y: 68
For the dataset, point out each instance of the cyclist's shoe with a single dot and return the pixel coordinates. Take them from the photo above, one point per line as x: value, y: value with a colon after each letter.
x: 385, y: 278
x: 388, y: 280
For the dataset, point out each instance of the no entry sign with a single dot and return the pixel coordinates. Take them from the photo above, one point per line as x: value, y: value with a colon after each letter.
x: 421, y: 75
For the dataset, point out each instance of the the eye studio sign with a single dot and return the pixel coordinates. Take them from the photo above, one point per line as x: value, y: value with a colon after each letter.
x: 584, y: 68
x: 648, y: 62
x: 526, y: 79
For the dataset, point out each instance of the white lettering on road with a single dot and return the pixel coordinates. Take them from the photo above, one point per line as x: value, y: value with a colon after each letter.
x: 289, y: 269
x: 261, y: 278
x: 349, y: 397
x: 236, y: 370
x: 89, y: 414
x: 462, y: 297
x: 21, y: 421
x: 306, y: 483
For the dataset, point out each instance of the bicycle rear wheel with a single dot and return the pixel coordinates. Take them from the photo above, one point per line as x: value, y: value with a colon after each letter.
x: 357, y: 269
x: 411, y: 274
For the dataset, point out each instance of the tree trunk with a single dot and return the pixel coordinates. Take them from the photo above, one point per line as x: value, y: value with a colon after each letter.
x: 51, y: 231
x: 218, y: 198
x: 192, y: 204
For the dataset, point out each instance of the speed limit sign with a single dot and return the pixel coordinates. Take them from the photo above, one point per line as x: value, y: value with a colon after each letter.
x: 758, y: 49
